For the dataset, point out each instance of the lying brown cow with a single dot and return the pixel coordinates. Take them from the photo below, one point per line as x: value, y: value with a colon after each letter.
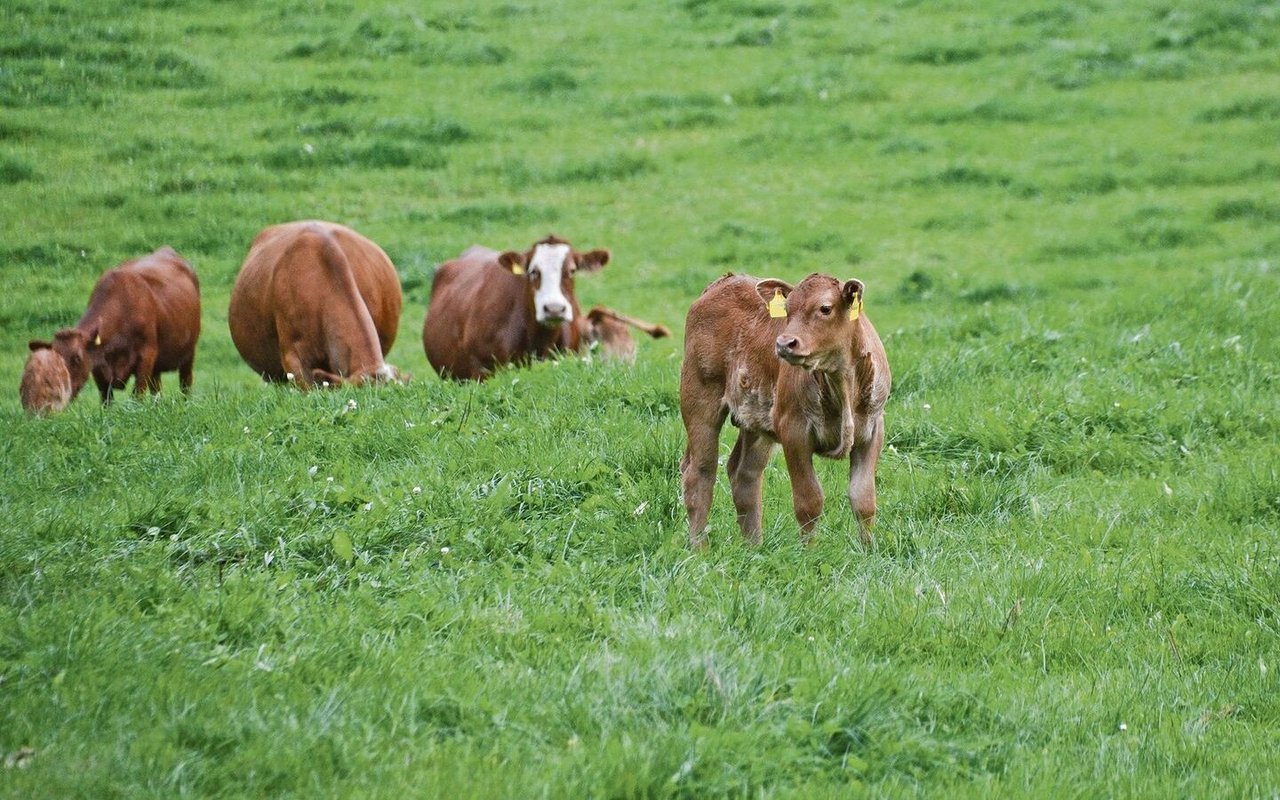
x: 607, y: 331
x: 316, y: 302
x: 489, y: 309
x: 143, y: 319
x: 799, y: 366
x: 46, y: 384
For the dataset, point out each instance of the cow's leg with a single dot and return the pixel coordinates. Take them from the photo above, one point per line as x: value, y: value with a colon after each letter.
x: 862, y: 482
x: 293, y: 365
x: 104, y: 386
x: 746, y: 478
x: 144, y: 373
x: 186, y: 374
x: 806, y: 491
x: 698, y: 467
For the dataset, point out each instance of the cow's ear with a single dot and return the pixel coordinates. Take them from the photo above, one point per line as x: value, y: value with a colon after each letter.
x: 36, y: 344
x: 592, y: 261
x: 851, y: 293
x: 93, y: 338
x: 513, y: 261
x: 774, y: 294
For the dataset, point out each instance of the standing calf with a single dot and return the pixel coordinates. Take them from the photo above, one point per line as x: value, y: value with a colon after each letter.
x: 143, y: 319
x: 801, y: 366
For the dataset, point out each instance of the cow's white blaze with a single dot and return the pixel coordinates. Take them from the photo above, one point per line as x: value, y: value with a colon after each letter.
x: 549, y: 261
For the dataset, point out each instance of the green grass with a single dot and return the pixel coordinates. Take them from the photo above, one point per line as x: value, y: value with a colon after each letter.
x: 1065, y: 216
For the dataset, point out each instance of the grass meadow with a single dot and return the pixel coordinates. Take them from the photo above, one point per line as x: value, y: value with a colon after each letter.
x: 1067, y: 216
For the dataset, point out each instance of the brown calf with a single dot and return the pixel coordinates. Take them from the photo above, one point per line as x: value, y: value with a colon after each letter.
x: 46, y: 384
x: 143, y: 318
x: 316, y: 302
x: 608, y: 331
x: 488, y: 308
x: 799, y: 366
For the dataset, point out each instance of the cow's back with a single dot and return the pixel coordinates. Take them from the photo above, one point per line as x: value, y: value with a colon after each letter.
x: 173, y: 303
x: 301, y: 276
x: 729, y: 352
x: 475, y: 318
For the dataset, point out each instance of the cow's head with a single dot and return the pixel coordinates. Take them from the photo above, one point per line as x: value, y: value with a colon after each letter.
x: 821, y: 318
x: 549, y: 267
x: 77, y: 349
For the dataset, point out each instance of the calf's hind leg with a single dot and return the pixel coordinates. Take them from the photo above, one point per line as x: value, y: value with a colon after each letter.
x: 698, y: 471
x: 862, y: 482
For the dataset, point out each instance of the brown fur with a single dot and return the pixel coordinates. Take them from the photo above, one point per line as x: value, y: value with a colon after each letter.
x: 316, y: 302
x: 609, y: 331
x: 814, y: 381
x: 481, y: 315
x: 143, y: 318
x: 46, y: 384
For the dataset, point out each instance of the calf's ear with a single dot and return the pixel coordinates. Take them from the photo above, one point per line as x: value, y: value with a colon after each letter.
x: 36, y: 344
x: 774, y: 294
x: 513, y: 261
x: 851, y: 292
x: 592, y: 261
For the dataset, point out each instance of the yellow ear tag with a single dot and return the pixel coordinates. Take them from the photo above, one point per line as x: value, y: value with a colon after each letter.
x: 856, y: 309
x: 516, y: 269
x: 97, y: 340
x: 778, y: 305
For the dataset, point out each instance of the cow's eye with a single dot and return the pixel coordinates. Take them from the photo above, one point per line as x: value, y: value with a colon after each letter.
x: 825, y: 310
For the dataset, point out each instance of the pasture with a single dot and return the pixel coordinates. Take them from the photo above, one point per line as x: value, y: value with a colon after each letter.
x: 1067, y: 217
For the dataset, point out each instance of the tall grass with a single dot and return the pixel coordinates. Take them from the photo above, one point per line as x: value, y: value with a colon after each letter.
x: 1064, y: 218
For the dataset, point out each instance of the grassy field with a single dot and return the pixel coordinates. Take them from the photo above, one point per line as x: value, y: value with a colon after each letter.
x: 1067, y: 217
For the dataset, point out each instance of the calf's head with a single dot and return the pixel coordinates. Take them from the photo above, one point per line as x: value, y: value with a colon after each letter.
x: 77, y: 349
x: 549, y: 267
x: 46, y: 384
x: 822, y: 317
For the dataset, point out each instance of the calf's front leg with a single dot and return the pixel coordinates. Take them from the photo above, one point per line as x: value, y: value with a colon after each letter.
x: 806, y: 491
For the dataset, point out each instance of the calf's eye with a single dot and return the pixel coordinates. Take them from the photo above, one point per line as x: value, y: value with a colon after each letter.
x: 825, y: 311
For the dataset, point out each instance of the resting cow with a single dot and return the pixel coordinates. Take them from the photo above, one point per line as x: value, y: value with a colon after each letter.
x: 143, y: 318
x: 316, y: 302
x: 489, y: 309
x: 607, y: 330
x: 799, y: 366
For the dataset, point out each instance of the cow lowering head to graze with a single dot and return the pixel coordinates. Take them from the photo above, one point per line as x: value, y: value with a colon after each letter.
x: 608, y: 332
x: 488, y: 308
x: 143, y: 318
x: 46, y: 384
x: 801, y: 366
x: 316, y: 302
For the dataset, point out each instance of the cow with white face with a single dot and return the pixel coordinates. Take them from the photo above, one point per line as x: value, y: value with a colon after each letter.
x: 489, y: 308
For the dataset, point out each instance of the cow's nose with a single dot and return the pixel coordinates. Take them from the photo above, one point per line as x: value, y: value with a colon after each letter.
x: 786, y: 344
x: 555, y: 310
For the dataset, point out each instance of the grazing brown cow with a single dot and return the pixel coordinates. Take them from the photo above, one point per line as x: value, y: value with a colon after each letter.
x: 799, y: 366
x: 143, y: 319
x: 316, y: 302
x: 46, y: 384
x: 607, y: 331
x: 489, y: 308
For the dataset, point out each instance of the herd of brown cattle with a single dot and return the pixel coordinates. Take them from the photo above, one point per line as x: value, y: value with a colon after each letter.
x: 317, y: 303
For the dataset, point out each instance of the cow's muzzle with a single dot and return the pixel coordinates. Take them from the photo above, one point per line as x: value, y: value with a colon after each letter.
x: 786, y: 348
